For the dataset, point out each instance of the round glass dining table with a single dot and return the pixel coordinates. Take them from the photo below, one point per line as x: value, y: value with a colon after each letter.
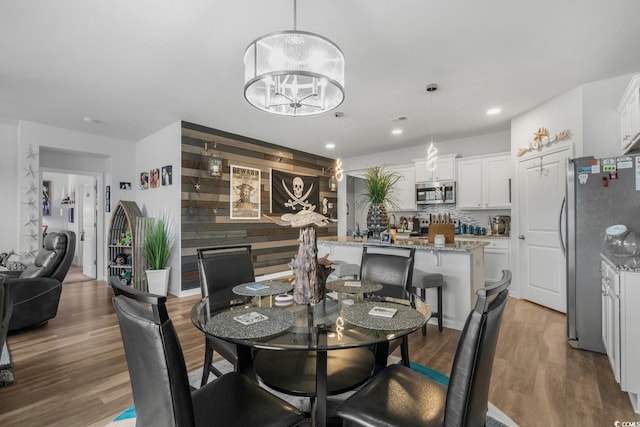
x: 262, y: 315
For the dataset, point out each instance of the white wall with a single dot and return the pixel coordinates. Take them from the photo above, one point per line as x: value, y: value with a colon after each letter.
x: 155, y: 151
x: 9, y: 188
x: 70, y: 151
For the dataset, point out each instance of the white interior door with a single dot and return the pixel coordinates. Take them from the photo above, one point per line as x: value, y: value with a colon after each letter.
x: 88, y: 232
x: 542, y: 182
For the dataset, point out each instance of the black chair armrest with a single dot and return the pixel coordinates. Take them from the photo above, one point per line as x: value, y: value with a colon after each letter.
x: 120, y: 288
x: 24, y: 290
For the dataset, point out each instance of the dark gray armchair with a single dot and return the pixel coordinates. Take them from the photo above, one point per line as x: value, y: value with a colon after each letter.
x: 6, y: 308
x: 36, y: 290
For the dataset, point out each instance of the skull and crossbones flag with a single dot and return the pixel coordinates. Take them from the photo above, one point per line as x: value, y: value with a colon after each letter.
x: 293, y: 192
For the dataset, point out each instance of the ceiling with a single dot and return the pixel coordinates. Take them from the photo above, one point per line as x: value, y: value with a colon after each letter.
x: 138, y: 66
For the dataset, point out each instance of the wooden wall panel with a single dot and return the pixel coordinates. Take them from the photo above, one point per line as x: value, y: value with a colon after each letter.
x: 205, y: 211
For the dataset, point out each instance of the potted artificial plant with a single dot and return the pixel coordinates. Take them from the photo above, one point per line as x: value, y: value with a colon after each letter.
x: 158, y: 241
x: 379, y: 186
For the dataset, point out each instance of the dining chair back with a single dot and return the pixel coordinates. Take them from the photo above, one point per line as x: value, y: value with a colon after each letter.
x: 392, y: 267
x: 389, y: 266
x: 159, y: 380
x: 468, y: 391
x: 221, y: 268
x: 418, y: 400
x: 157, y: 370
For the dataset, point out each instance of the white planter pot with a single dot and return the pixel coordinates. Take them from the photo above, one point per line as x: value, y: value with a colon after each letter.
x: 158, y: 281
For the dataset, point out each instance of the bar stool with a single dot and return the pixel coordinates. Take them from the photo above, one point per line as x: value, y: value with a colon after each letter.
x: 423, y: 280
x: 344, y: 269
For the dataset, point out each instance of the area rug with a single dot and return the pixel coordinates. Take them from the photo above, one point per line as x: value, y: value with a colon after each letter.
x: 495, y: 417
x: 6, y: 371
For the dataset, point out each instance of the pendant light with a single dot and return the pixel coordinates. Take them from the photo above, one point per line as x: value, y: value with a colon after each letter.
x: 214, y: 163
x: 432, y: 151
x: 294, y: 73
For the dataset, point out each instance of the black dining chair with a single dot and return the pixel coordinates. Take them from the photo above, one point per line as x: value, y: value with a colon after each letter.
x: 220, y: 269
x: 400, y: 396
x: 392, y: 267
x: 159, y: 381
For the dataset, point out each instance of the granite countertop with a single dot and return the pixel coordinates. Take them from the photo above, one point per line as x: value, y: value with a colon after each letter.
x: 485, y: 236
x: 623, y: 263
x: 419, y: 244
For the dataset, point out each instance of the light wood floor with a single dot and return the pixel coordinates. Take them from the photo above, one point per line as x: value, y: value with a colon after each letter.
x: 72, y: 372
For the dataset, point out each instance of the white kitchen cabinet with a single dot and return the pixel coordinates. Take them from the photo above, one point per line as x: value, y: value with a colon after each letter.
x: 445, y: 169
x: 405, y: 190
x: 629, y: 109
x: 497, y: 256
x: 620, y: 318
x: 484, y: 182
x: 610, y: 287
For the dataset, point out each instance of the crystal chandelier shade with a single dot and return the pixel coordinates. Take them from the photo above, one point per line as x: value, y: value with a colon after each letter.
x: 294, y: 73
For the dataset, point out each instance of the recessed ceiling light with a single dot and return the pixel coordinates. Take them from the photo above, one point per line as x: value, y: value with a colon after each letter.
x: 86, y: 119
x: 396, y: 131
x: 494, y: 111
x: 330, y: 146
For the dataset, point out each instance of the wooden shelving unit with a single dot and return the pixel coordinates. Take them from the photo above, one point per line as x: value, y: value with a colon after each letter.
x: 127, y: 260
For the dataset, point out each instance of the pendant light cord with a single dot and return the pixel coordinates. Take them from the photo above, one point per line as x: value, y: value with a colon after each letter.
x: 295, y: 15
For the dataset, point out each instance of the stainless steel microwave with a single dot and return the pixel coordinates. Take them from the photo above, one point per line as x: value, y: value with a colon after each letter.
x: 433, y: 193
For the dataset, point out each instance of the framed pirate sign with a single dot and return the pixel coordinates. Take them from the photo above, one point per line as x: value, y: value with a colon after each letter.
x: 294, y: 192
x: 244, y: 193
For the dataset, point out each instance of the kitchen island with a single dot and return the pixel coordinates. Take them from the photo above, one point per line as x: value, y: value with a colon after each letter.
x: 461, y: 263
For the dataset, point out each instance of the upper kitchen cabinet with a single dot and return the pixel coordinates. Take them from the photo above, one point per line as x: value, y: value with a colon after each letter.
x: 405, y: 190
x: 484, y: 182
x: 445, y: 169
x: 629, y: 109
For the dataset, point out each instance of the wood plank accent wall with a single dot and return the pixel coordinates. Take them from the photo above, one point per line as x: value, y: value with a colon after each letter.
x: 205, y: 211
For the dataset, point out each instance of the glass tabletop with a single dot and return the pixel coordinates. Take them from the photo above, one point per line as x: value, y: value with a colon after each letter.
x: 349, y: 320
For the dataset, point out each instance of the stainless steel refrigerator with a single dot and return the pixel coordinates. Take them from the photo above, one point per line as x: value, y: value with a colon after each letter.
x: 600, y: 193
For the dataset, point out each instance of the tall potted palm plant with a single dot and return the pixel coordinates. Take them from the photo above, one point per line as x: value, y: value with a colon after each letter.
x: 379, y: 186
x: 158, y: 242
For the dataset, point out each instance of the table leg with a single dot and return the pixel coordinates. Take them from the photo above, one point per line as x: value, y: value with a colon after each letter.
x: 321, y: 378
x: 245, y: 362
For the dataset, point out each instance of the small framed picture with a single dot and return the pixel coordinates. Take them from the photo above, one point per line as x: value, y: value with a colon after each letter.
x: 385, y: 237
x: 154, y: 178
x: 167, y: 175
x: 144, y: 180
x: 125, y: 185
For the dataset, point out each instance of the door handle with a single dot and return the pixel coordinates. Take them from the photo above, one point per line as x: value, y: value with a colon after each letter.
x: 521, y: 237
x: 347, y: 208
x: 562, y: 245
x: 82, y: 236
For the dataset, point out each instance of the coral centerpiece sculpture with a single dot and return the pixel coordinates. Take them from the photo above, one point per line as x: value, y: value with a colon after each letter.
x: 310, y: 273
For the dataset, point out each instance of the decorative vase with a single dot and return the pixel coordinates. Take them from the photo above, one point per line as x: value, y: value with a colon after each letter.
x: 158, y: 281
x: 377, y: 219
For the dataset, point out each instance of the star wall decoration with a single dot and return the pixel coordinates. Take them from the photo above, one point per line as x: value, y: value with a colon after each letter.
x: 32, y: 188
x: 30, y: 172
x: 31, y: 221
x: 30, y: 153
